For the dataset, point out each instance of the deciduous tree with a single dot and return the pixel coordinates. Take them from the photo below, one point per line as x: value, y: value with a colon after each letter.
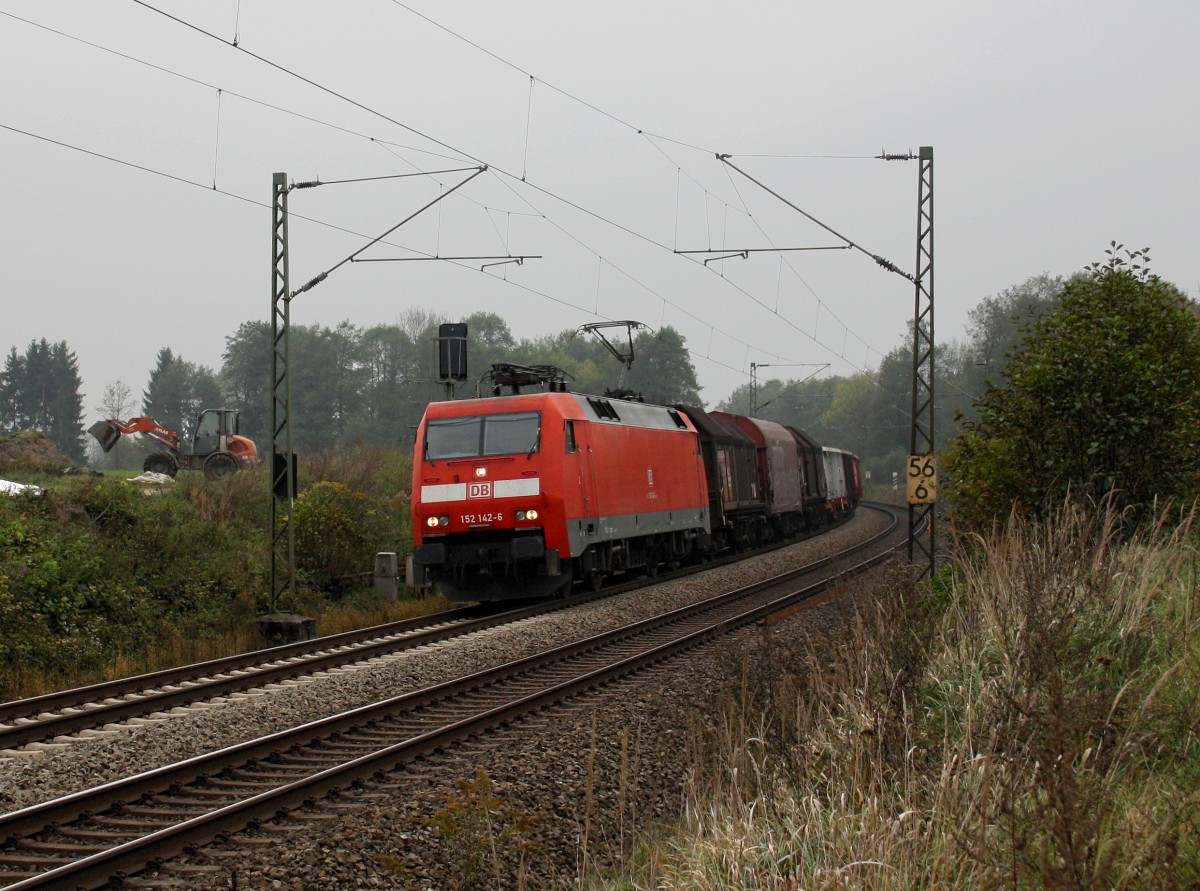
x: 662, y: 369
x: 1101, y: 399
x: 117, y: 402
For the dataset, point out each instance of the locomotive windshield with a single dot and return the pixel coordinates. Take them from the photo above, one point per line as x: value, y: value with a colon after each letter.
x: 483, y: 435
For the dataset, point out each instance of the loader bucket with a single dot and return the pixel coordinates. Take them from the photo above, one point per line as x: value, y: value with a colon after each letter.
x: 106, y: 434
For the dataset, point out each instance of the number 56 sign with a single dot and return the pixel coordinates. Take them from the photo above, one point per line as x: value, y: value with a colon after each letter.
x: 922, y: 479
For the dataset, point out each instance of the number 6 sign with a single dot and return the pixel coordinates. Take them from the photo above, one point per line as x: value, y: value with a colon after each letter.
x: 922, y: 479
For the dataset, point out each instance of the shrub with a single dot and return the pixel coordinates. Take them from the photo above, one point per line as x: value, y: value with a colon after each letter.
x: 341, y: 525
x: 1100, y: 401
x: 95, y: 569
x: 481, y: 836
x: 332, y: 541
x: 100, y: 577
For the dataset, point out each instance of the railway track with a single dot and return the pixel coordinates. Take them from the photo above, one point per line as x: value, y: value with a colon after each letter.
x: 57, y: 716
x: 87, y: 838
x: 67, y: 712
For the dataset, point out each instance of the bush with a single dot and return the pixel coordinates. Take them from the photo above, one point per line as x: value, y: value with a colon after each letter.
x: 99, y: 576
x: 1100, y: 401
x: 341, y: 525
x: 332, y: 540
x: 96, y: 567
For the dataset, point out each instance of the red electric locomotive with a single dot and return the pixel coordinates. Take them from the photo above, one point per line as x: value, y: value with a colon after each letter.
x: 519, y: 496
x: 516, y: 496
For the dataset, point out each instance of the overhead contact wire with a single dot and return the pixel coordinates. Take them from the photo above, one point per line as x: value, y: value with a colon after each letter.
x: 495, y: 169
x: 677, y: 307
x: 446, y: 145
x: 411, y: 129
x: 528, y: 117
x: 217, y: 141
x: 236, y: 95
x: 312, y: 83
x: 796, y: 273
x: 886, y: 264
x: 648, y: 134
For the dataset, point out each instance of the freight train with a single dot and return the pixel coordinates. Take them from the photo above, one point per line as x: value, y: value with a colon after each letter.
x: 523, y: 495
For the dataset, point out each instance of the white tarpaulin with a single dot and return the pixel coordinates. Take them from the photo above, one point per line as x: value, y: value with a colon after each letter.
x: 151, y: 477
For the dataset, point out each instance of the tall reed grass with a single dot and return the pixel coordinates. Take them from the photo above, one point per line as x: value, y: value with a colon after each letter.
x: 1030, y: 722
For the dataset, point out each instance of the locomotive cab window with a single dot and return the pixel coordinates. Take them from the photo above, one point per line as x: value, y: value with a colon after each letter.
x: 483, y: 436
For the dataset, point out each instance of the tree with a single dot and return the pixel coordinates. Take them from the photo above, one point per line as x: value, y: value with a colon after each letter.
x: 40, y: 391
x: 117, y: 400
x: 178, y: 391
x: 117, y: 403
x: 488, y: 341
x: 164, y: 393
x: 848, y: 418
x: 395, y: 388
x: 490, y: 330
x: 591, y: 368
x: 246, y: 378
x: 662, y: 369
x: 327, y: 379
x: 886, y: 419
x: 11, y: 381
x: 1100, y: 399
x: 995, y: 324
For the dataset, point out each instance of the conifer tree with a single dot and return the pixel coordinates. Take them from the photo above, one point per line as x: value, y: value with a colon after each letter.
x: 40, y: 390
x: 178, y: 391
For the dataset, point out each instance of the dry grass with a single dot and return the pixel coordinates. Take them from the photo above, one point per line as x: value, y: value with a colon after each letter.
x: 336, y: 618
x: 1033, y: 725
x: 184, y: 646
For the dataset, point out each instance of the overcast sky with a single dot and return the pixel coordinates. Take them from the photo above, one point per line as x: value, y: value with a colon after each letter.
x: 1056, y: 127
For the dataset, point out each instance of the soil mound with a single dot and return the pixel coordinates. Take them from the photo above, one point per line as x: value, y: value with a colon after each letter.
x: 30, y: 450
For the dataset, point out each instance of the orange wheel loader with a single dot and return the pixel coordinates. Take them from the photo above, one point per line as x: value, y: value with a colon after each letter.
x: 216, y: 447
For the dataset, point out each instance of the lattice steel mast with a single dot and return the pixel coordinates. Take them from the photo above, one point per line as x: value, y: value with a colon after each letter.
x: 922, y: 540
x: 283, y: 464
x: 290, y: 624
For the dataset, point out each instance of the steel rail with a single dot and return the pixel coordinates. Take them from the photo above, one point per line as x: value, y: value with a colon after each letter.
x: 32, y: 705
x: 59, y: 714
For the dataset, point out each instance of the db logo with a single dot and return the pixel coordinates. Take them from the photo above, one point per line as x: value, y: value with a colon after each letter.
x: 479, y: 490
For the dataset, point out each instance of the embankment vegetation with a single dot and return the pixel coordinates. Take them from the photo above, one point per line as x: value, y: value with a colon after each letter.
x: 1029, y: 722
x: 103, y: 577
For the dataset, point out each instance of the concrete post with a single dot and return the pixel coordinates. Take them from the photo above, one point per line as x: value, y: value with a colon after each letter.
x: 386, y: 574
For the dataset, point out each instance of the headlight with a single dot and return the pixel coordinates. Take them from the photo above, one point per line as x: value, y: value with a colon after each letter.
x: 434, y: 522
x: 527, y: 515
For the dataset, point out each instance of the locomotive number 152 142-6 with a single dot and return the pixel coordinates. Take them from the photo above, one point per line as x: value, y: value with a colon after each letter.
x: 474, y: 519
